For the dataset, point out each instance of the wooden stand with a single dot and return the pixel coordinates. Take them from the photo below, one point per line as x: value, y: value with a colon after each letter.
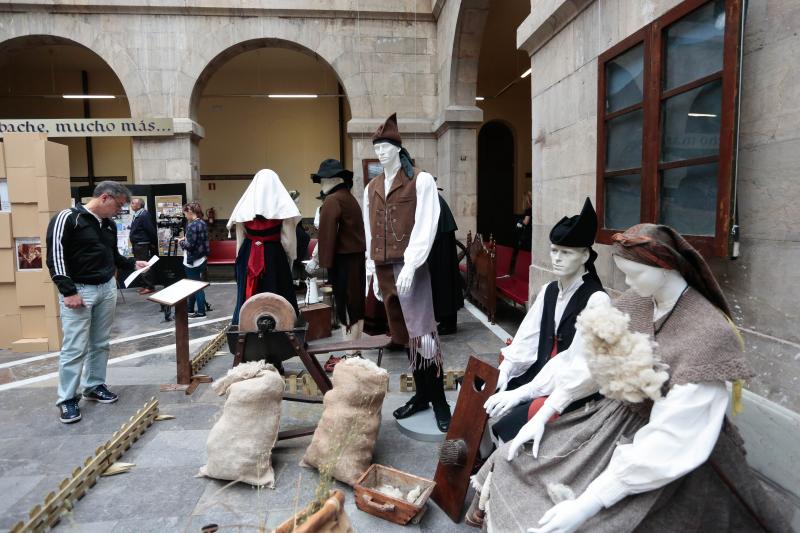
x: 318, y: 317
x: 175, y: 296
x: 467, y: 425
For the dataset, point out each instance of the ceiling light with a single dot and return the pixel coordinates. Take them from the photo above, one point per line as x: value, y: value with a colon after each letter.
x: 89, y: 96
x: 702, y: 115
x: 292, y: 95
x: 526, y: 73
x: 479, y: 98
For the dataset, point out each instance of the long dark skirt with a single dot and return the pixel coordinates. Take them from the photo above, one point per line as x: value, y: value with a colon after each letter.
x: 348, y: 277
x: 277, y: 277
x: 446, y: 281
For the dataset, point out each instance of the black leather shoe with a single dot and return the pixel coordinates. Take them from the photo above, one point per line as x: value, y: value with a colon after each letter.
x: 411, y: 407
x: 442, y: 414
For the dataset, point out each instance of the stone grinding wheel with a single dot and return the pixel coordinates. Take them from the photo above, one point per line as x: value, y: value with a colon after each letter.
x: 266, y: 305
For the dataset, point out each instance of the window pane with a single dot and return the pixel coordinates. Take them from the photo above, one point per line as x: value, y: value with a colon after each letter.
x: 623, y: 201
x: 624, y: 141
x: 691, y: 123
x: 624, y: 79
x: 689, y: 199
x: 694, y: 45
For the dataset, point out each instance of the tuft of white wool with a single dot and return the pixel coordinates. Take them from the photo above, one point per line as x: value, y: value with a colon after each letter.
x: 365, y: 363
x: 559, y: 492
x: 484, y: 498
x: 623, y: 363
x: 241, y: 372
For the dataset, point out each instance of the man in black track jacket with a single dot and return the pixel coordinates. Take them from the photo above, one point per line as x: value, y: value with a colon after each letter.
x: 83, y: 259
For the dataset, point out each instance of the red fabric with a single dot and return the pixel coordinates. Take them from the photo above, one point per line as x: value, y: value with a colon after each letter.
x: 537, y: 403
x: 255, y: 263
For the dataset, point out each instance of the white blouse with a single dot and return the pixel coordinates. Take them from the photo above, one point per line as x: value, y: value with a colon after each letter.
x: 426, y: 221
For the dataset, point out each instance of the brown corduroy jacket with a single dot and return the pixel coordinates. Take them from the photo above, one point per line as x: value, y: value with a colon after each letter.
x: 341, y: 227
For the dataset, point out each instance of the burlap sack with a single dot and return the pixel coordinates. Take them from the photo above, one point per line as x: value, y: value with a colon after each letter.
x: 346, y: 434
x: 240, y: 443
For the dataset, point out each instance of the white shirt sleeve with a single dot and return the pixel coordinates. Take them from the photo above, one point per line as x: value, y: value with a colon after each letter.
x: 524, y: 349
x: 681, y: 434
x: 289, y: 238
x: 426, y: 220
x: 370, y: 264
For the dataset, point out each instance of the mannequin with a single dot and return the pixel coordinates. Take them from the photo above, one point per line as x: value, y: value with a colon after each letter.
x: 673, y: 464
x: 341, y: 248
x: 401, y: 212
x: 266, y: 220
x: 549, y: 326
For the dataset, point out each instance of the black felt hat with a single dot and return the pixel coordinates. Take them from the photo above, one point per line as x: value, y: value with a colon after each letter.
x: 332, y: 168
x: 576, y: 231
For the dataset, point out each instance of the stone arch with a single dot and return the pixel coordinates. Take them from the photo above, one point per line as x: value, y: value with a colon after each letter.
x: 114, y: 56
x: 466, y: 50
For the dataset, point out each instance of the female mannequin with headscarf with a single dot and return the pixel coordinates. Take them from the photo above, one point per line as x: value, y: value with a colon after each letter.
x: 671, y: 464
x: 530, y: 361
x: 266, y: 218
x: 401, y: 216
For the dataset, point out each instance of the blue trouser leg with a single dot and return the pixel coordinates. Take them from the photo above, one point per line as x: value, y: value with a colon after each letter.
x: 198, y: 298
x: 87, y: 335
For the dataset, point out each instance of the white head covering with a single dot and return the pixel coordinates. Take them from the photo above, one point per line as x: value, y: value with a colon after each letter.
x: 266, y: 196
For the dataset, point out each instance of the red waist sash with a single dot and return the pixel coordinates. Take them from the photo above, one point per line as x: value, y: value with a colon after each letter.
x: 255, y: 263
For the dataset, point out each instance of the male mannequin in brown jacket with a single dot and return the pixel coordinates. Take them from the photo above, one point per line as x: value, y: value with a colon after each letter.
x: 401, y: 214
x: 341, y: 246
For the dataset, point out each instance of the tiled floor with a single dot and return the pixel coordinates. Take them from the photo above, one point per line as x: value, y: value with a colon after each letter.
x: 161, y: 493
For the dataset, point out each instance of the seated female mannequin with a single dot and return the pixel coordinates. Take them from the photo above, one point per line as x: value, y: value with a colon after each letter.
x: 265, y: 219
x: 675, y: 464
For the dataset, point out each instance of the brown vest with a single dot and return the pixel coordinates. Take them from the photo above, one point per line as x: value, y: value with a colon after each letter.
x: 391, y: 219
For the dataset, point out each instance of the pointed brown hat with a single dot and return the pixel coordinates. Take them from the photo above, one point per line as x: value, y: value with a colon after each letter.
x: 388, y: 132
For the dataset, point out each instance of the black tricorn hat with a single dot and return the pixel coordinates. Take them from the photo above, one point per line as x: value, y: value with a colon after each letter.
x: 576, y: 231
x: 332, y: 168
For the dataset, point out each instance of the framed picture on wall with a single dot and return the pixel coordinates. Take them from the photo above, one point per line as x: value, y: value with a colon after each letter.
x: 29, y: 254
x: 372, y: 169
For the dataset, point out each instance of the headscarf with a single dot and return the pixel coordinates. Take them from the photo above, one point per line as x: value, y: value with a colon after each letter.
x: 661, y: 246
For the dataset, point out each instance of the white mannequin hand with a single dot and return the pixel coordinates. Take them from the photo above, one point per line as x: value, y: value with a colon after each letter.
x: 376, y: 288
x: 569, y: 515
x: 502, y: 379
x: 532, y: 430
x: 311, y: 266
x: 405, y: 279
x: 502, y: 402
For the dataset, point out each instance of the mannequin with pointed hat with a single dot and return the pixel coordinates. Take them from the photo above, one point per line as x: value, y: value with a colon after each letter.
x: 401, y: 215
x: 266, y: 220
x: 549, y: 326
x: 341, y: 246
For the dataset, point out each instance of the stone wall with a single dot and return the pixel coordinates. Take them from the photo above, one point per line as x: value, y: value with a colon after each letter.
x: 565, y: 38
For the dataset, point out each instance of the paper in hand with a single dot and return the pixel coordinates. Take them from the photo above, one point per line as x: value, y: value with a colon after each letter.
x: 136, y: 273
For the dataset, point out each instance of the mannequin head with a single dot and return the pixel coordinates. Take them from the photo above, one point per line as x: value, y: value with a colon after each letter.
x: 388, y: 154
x: 329, y: 183
x: 568, y: 260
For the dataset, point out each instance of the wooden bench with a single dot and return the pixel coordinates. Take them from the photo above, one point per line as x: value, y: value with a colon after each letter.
x: 221, y: 252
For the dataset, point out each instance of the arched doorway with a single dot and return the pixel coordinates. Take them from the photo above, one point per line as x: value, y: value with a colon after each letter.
x: 37, y: 71
x: 268, y: 104
x: 496, y: 182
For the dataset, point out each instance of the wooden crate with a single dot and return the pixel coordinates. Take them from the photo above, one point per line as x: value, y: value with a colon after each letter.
x: 369, y: 500
x: 318, y: 317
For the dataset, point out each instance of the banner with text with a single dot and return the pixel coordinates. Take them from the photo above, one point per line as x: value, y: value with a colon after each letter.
x: 89, y: 127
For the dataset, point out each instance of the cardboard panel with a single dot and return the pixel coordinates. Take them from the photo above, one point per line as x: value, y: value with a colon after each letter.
x: 31, y: 291
x: 57, y: 160
x: 5, y: 231
x: 53, y: 194
x: 8, y: 299
x: 8, y: 265
x: 25, y: 221
x: 54, y: 334
x: 33, y: 322
x: 2, y: 161
x: 22, y: 185
x: 10, y: 329
x: 26, y: 150
x: 44, y: 221
x: 27, y: 345
x: 52, y: 307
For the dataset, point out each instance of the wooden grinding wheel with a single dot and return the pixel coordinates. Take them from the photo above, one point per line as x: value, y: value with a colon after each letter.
x: 266, y: 312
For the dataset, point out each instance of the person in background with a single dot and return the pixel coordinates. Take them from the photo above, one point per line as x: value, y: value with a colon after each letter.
x: 195, y: 247
x: 144, y: 240
x: 83, y: 258
x: 524, y: 225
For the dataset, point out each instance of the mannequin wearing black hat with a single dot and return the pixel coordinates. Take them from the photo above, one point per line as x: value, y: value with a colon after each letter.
x: 549, y: 326
x: 341, y: 247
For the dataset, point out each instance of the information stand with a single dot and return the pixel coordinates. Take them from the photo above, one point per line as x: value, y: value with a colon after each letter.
x: 175, y: 296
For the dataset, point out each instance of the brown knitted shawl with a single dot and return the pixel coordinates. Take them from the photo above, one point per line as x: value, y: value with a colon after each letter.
x: 696, y: 340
